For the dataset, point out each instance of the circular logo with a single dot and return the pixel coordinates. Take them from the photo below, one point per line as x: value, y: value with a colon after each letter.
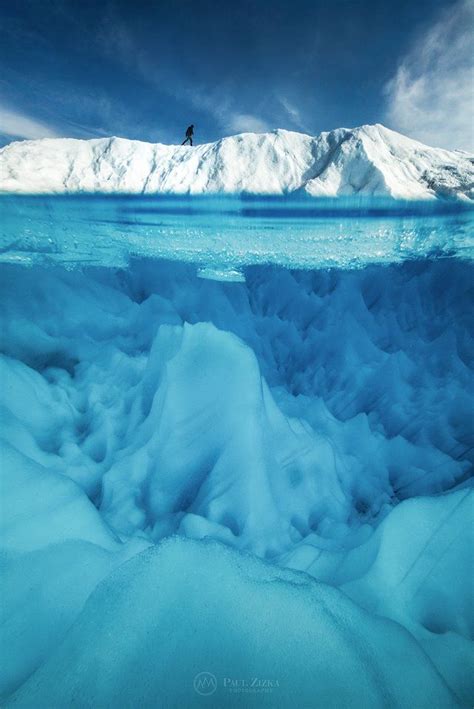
x: 205, y: 683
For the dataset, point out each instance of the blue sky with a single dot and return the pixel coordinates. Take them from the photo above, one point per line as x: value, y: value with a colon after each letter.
x: 146, y: 69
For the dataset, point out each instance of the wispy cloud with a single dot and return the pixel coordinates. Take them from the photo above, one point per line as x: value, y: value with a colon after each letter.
x: 293, y: 113
x: 431, y: 96
x: 15, y: 124
x: 246, y: 123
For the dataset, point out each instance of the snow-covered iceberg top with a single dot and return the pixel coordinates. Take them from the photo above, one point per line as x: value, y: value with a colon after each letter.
x: 370, y: 160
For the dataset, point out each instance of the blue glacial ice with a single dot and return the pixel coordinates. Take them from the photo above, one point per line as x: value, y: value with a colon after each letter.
x: 262, y: 473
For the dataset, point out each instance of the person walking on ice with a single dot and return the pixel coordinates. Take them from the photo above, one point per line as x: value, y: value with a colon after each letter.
x: 189, y: 135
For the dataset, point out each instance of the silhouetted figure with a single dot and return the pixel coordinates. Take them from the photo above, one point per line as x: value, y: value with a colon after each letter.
x: 189, y: 135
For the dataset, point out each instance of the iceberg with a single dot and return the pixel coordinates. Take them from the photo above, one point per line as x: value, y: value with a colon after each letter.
x: 236, y: 436
x: 369, y: 160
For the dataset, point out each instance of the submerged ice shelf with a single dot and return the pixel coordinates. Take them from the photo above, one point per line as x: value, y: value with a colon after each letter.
x: 220, y: 477
x: 235, y: 428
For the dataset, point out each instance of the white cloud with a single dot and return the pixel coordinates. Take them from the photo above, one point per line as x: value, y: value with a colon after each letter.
x: 431, y: 96
x: 18, y: 125
x: 293, y: 113
x: 246, y: 123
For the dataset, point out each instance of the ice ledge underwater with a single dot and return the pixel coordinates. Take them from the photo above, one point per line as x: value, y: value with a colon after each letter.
x: 263, y: 479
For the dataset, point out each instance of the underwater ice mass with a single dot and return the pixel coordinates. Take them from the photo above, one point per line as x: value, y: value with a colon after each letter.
x: 236, y: 440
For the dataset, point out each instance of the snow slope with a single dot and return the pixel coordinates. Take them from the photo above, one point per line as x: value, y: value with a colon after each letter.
x: 370, y: 160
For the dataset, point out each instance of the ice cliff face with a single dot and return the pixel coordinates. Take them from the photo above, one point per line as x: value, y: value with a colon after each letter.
x: 370, y: 160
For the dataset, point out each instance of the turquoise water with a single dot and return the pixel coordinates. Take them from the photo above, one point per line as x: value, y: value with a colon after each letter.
x: 223, y: 234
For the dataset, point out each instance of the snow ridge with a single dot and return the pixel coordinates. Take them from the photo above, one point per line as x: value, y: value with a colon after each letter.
x: 369, y: 160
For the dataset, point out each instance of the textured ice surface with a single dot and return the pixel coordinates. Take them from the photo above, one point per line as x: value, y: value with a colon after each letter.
x: 183, y: 606
x: 320, y: 420
x: 370, y: 160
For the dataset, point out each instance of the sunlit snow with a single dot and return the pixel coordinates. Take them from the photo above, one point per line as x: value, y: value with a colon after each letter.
x: 370, y: 160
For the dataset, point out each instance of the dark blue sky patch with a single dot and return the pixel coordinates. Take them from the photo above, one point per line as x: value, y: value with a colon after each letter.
x: 146, y: 70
